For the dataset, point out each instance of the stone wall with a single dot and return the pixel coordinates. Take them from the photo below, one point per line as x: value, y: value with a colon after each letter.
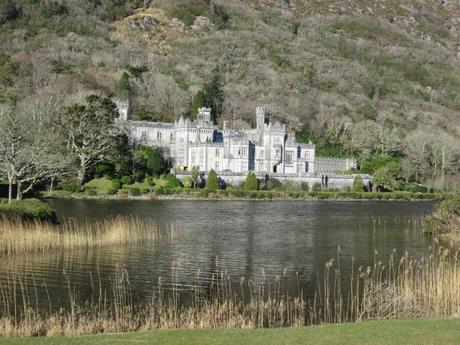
x: 334, y: 181
x: 329, y: 165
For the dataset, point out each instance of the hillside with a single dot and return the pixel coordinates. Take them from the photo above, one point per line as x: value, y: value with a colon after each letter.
x: 359, y: 77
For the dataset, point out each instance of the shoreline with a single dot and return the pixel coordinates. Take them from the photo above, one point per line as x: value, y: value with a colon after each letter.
x: 258, y: 196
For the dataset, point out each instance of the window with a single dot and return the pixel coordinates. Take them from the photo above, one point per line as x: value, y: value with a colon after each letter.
x: 159, y: 135
x: 217, y: 152
x: 245, y: 151
x: 262, y: 154
x: 289, y: 157
x: 217, y: 166
x: 306, y: 166
x: 307, y: 155
x: 193, y: 157
x: 144, y: 135
x: 201, y: 156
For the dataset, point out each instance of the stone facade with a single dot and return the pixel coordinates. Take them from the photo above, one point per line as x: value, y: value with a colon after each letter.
x: 267, y: 149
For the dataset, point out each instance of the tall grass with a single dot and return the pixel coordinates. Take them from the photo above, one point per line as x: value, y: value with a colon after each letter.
x: 402, y: 287
x: 22, y: 237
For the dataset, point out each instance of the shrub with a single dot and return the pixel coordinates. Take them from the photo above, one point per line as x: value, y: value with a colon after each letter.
x: 251, y: 182
x: 368, y: 111
x: 116, y: 184
x: 316, y: 187
x: 253, y: 195
x: 187, y: 182
x: 145, y: 191
x: 102, y: 169
x: 139, y: 176
x: 212, y: 183
x: 8, y: 11
x: 260, y: 195
x: 127, y: 180
x: 53, y: 8
x: 204, y: 193
x: 69, y: 184
x: 134, y: 191
x: 90, y: 191
x: 171, y: 181
x: 29, y: 209
x: 304, y: 186
x: 112, y: 191
x: 358, y: 184
x: 274, y: 183
x: 150, y: 181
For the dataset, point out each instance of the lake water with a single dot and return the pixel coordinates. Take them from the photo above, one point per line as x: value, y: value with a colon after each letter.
x: 245, y: 239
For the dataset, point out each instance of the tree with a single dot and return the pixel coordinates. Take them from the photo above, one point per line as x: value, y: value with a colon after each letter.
x: 30, y: 148
x: 155, y: 163
x: 123, y: 86
x: 358, y: 184
x: 197, y: 103
x: 214, y: 94
x: 381, y: 180
x: 212, y: 183
x: 445, y: 154
x: 416, y: 150
x: 89, y: 130
x: 195, y: 175
x: 251, y: 181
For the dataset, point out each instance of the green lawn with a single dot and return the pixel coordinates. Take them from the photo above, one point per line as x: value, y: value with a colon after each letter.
x: 100, y: 185
x: 424, y: 332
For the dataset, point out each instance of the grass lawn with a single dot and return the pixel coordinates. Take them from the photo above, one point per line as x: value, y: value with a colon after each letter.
x: 101, y: 185
x: 420, y: 332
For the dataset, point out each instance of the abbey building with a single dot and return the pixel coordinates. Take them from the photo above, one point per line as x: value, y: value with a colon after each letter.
x: 266, y: 149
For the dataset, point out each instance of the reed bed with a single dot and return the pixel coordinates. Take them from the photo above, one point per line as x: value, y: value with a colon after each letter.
x: 25, y: 237
x: 402, y: 287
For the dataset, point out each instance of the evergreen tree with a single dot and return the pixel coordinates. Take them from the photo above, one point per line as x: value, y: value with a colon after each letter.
x: 197, y: 103
x: 358, y: 184
x: 123, y: 86
x: 212, y: 183
x: 251, y: 181
x: 195, y: 176
x: 214, y: 94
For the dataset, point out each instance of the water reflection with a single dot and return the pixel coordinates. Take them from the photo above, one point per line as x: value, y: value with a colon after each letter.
x: 244, y: 239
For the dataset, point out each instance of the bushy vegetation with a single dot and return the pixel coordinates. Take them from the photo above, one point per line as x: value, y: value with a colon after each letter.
x: 212, y: 183
x: 445, y: 218
x: 27, y: 210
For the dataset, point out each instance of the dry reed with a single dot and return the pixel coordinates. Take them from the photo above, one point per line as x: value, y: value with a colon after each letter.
x: 22, y: 237
x: 403, y: 287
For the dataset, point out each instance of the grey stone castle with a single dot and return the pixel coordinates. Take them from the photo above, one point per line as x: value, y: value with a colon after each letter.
x: 268, y: 150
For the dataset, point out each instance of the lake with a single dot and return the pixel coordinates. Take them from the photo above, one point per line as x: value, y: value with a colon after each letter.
x: 245, y: 239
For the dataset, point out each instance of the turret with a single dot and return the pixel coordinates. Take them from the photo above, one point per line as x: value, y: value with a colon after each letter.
x: 123, y: 110
x: 260, y: 117
x: 204, y: 114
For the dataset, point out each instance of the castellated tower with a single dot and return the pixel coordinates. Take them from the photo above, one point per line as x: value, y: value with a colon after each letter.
x: 260, y: 117
x: 123, y: 110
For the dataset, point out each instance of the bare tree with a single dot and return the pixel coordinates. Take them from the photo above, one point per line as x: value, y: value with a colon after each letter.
x: 89, y: 130
x: 416, y: 150
x: 445, y: 154
x: 388, y: 141
x: 29, y: 147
